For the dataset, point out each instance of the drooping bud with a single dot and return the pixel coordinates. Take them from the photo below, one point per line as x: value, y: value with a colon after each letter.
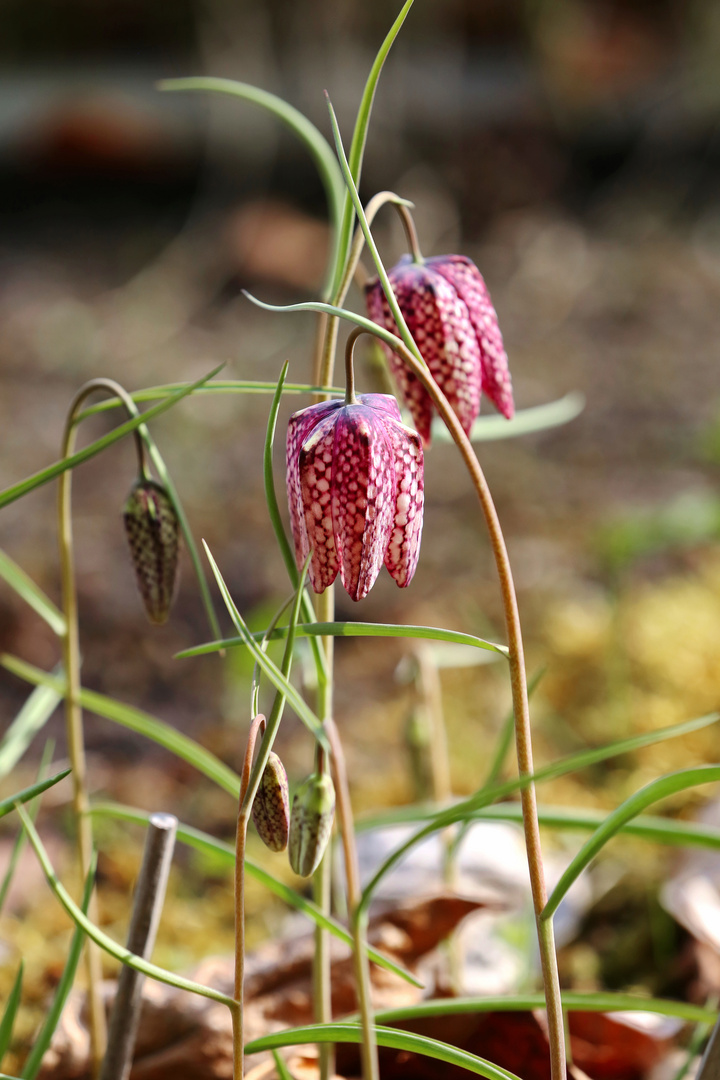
x: 271, y: 805
x: 152, y: 530
x: 311, y: 823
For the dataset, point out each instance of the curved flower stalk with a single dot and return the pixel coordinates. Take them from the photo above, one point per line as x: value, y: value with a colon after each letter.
x: 449, y: 313
x: 355, y: 489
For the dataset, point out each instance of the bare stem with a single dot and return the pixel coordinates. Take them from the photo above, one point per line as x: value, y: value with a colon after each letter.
x: 410, y: 232
x: 73, y: 711
x: 322, y: 974
x: 521, y: 709
x: 358, y: 919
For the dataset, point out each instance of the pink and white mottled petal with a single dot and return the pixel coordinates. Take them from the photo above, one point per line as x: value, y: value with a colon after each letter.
x: 383, y: 403
x: 467, y: 280
x: 299, y: 427
x: 316, y: 469
x: 363, y: 496
x: 414, y: 393
x: 403, y: 549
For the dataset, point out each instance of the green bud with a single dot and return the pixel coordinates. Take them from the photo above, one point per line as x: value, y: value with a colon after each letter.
x: 311, y: 823
x: 152, y: 530
x: 271, y: 805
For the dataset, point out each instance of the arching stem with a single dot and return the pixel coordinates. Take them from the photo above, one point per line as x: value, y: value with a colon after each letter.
x: 521, y: 709
x: 73, y: 711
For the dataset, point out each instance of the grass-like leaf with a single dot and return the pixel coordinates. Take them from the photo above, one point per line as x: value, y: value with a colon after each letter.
x: 20, y: 839
x: 44, y: 476
x: 468, y: 808
x: 273, y: 672
x: 136, y: 720
x: 28, y: 793
x: 280, y: 1067
x: 572, y: 1002
x: 357, y: 146
x: 31, y: 719
x: 316, y: 143
x: 353, y: 629
x: 524, y: 422
x: 202, y: 841
x: 31, y: 593
x: 658, y: 789
x: 52, y: 1017
x: 395, y: 1040
x: 10, y: 1012
x: 103, y: 940
x: 219, y: 386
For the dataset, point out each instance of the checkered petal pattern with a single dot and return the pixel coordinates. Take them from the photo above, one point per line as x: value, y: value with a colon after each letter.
x: 153, y: 533
x: 450, y: 315
x: 355, y: 490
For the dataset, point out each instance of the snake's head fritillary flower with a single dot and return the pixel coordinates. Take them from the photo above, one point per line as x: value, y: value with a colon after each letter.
x: 449, y: 313
x: 271, y: 805
x: 311, y: 822
x: 152, y: 530
x: 355, y: 489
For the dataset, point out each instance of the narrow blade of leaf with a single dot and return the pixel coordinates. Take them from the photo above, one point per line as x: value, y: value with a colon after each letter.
x: 31, y: 593
x: 31, y: 719
x: 28, y: 793
x: 8, y: 1019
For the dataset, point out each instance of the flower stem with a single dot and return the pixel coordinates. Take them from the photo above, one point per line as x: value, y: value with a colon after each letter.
x: 73, y: 711
x: 410, y: 232
x: 322, y: 974
x: 521, y: 709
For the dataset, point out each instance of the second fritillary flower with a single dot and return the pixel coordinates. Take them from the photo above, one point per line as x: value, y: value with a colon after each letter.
x: 355, y: 489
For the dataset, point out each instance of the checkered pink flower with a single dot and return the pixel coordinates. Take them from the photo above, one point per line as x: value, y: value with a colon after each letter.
x: 450, y: 315
x: 355, y: 489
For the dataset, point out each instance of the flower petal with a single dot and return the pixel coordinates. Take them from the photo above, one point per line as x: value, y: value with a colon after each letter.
x: 467, y: 280
x: 299, y: 427
x: 383, y: 403
x: 403, y: 549
x: 363, y: 496
x: 315, y: 469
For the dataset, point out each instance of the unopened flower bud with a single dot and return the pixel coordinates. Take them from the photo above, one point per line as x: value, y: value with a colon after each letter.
x: 152, y: 530
x: 311, y: 823
x: 271, y: 805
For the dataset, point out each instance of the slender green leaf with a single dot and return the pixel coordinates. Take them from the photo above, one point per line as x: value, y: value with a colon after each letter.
x: 219, y: 386
x: 281, y: 1068
x: 52, y: 1017
x: 272, y: 671
x: 353, y: 629
x: 7, y: 1076
x: 136, y: 720
x: 202, y: 841
x: 28, y: 793
x: 10, y: 494
x: 31, y: 593
x: 17, y: 848
x: 572, y: 1002
x: 465, y: 809
x: 658, y: 789
x: 524, y: 422
x: 395, y: 1040
x: 357, y: 145
x: 316, y: 143
x: 95, y: 934
x: 8, y: 1019
x: 31, y: 719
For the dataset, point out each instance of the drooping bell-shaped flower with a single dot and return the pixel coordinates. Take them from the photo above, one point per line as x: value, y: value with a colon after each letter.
x: 449, y: 313
x: 355, y: 489
x: 153, y: 533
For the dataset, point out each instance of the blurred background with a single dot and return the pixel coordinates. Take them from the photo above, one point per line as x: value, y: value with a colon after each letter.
x: 571, y: 148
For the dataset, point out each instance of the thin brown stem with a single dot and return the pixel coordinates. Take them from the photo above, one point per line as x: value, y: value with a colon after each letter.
x: 322, y: 974
x: 410, y: 232
x: 358, y: 922
x: 73, y: 710
x: 521, y: 709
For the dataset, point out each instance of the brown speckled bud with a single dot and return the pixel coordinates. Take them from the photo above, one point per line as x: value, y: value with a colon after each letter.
x: 311, y: 823
x: 271, y: 805
x: 153, y: 534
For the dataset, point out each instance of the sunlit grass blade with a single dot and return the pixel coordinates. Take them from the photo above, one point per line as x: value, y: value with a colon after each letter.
x: 572, y: 1002
x: 316, y: 143
x: 52, y: 1018
x: 288, y: 555
x: 467, y: 808
x: 31, y: 593
x: 219, y: 386
x: 280, y: 1067
x: 44, y: 476
x: 28, y: 793
x: 658, y: 789
x: 203, y: 842
x: 524, y: 422
x: 136, y: 720
x: 103, y: 940
x: 10, y: 1012
x: 354, y: 629
x: 31, y: 719
x: 395, y: 1040
x: 357, y: 145
x: 20, y: 839
x: 273, y: 672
